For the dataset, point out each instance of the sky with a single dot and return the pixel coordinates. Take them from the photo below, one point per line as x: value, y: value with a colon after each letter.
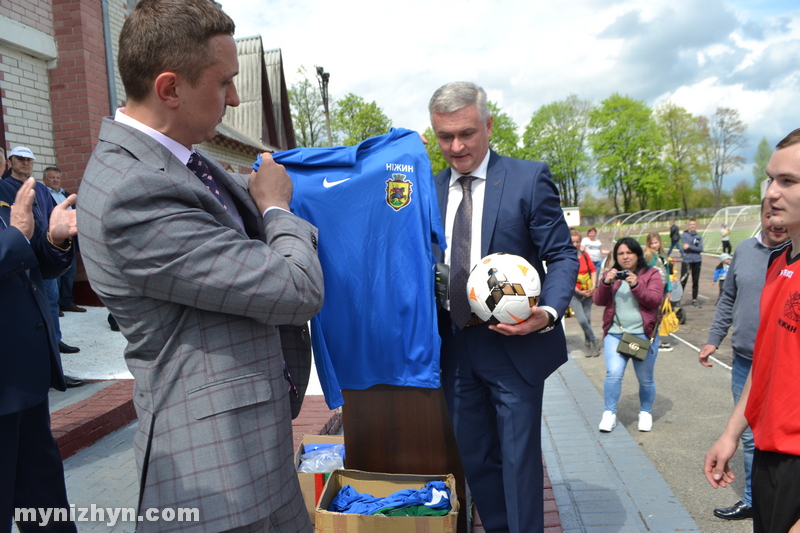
x: 700, y: 54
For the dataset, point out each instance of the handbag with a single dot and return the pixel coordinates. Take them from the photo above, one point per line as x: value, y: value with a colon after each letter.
x: 630, y: 345
x: 669, y: 319
x: 633, y: 346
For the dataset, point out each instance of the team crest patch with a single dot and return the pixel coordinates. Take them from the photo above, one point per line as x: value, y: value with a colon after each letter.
x: 791, y: 309
x: 398, y: 192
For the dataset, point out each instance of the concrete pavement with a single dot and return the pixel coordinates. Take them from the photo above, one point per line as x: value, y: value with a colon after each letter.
x: 600, y: 482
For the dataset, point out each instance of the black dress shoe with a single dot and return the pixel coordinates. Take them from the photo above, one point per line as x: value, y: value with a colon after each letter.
x: 66, y: 348
x: 112, y: 322
x: 72, y: 382
x: 737, y: 511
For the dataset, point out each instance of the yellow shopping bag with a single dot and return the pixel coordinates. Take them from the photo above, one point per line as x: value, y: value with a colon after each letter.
x: 669, y: 320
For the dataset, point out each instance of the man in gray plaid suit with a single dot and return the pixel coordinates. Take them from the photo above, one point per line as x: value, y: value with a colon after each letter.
x: 200, y: 268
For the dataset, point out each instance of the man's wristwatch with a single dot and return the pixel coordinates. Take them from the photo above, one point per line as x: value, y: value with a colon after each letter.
x: 551, y: 323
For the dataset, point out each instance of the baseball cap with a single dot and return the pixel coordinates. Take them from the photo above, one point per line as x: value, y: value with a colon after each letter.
x: 21, y: 151
x: 724, y: 257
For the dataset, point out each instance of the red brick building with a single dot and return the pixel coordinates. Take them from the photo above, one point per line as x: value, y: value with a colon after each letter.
x: 58, y: 78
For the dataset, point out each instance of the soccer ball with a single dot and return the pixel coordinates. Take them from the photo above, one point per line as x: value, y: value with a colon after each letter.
x: 503, y: 288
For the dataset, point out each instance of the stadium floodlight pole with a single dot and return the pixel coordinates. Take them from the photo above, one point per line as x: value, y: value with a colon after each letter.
x: 323, y: 77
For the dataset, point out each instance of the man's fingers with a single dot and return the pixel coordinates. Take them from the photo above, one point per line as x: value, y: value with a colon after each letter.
x: 71, y: 200
x: 26, y: 193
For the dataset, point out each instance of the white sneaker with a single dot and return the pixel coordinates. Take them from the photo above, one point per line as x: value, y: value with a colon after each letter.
x: 608, y: 422
x: 664, y: 347
x: 645, y: 421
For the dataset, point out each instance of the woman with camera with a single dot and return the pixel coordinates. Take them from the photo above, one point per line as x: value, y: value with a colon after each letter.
x: 631, y: 293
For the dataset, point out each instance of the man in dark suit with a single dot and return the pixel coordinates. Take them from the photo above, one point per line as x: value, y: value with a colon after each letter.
x: 21, y: 158
x: 31, y: 471
x: 208, y: 274
x: 493, y: 375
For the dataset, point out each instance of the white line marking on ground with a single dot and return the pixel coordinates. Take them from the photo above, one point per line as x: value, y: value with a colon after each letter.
x: 696, y: 349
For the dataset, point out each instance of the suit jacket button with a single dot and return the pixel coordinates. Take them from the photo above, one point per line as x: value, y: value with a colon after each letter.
x: 39, y: 326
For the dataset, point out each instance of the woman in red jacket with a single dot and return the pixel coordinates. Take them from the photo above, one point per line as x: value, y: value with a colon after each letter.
x: 631, y: 293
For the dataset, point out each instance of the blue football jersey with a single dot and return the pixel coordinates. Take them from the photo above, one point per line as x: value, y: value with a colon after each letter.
x: 376, y: 209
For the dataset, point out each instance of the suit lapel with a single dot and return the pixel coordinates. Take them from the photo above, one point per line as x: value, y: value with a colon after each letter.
x: 495, y: 181
x: 154, y: 154
x: 244, y: 203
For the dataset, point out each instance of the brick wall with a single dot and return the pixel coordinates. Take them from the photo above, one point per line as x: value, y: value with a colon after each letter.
x: 78, y: 84
x: 34, y: 13
x: 26, y: 105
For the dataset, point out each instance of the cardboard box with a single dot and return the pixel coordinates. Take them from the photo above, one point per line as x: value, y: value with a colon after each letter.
x: 381, y: 485
x: 311, y: 485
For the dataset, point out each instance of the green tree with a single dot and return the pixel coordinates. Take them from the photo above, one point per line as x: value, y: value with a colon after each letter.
x: 760, y: 161
x: 504, y: 139
x: 743, y: 194
x: 557, y: 133
x: 684, y: 163
x: 702, y: 197
x: 727, y: 138
x: 591, y: 206
x: 307, y: 116
x: 434, y: 152
x: 627, y: 144
x: 356, y: 120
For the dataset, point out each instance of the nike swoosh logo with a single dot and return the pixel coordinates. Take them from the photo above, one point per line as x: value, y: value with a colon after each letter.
x: 328, y: 184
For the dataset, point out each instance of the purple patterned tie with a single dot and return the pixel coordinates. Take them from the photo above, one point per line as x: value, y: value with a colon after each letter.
x: 460, y: 254
x: 199, y: 167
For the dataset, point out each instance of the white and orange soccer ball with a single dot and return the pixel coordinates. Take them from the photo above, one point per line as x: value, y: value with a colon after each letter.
x: 503, y: 288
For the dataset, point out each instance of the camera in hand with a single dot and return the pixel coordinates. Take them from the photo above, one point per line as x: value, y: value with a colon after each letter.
x: 622, y: 274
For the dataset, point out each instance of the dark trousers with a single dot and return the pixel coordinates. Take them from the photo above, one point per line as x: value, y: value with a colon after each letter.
x: 497, y: 422
x: 694, y: 268
x: 31, y: 470
x: 726, y: 247
x: 65, y: 283
x: 776, y: 485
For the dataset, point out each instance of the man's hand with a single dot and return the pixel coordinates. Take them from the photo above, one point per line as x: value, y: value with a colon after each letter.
x: 716, y: 468
x: 22, y: 210
x: 685, y: 246
x: 63, y: 222
x: 538, y: 320
x: 271, y: 186
x: 705, y: 352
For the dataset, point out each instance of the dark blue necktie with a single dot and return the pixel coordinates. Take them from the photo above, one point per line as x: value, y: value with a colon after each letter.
x: 460, y: 311
x: 199, y: 167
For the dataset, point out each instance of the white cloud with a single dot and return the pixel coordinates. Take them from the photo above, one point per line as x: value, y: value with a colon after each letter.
x: 700, y: 53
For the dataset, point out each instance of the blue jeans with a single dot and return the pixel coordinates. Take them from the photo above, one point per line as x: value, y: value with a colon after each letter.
x: 615, y: 370
x: 51, y: 289
x: 582, y: 306
x: 675, y: 244
x: 741, y: 367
